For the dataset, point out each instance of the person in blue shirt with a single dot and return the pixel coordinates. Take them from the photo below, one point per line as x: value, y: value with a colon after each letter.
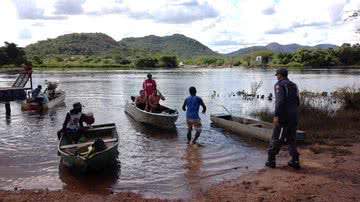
x: 36, y: 91
x: 191, y: 106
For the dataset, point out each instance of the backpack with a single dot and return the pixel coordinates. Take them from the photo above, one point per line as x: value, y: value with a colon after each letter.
x: 99, y: 145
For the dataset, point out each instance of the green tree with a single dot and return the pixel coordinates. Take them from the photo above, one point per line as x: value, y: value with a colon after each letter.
x: 168, y: 61
x: 11, y: 54
x: 37, y: 60
x: 146, y: 62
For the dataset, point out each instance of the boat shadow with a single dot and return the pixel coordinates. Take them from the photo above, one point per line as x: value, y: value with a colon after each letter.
x: 99, y: 182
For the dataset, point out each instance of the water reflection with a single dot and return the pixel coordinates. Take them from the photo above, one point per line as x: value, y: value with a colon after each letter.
x: 154, y: 162
x: 99, y: 182
x: 193, y: 164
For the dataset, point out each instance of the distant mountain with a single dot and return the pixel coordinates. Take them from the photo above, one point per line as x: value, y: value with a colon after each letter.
x: 276, y: 47
x: 176, y: 44
x: 99, y: 43
x: 75, y: 44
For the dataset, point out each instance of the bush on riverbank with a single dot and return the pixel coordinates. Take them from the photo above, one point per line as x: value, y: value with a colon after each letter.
x: 319, y: 118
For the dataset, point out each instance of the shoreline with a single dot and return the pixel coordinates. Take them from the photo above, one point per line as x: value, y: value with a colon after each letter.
x: 115, y: 67
x: 329, y: 175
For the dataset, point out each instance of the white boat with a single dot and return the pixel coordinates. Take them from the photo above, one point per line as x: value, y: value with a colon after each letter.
x: 164, y: 120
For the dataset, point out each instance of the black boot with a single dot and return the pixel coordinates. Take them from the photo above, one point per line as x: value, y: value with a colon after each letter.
x: 271, y: 163
x: 294, y: 163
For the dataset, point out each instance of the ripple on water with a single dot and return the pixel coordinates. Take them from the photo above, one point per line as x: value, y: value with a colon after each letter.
x: 152, y: 162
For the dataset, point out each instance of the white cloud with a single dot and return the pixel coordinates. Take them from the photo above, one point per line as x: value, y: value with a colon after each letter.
x: 25, y: 34
x: 28, y: 10
x: 69, y: 7
x: 222, y: 25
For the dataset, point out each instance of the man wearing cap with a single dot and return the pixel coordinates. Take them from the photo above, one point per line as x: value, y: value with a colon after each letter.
x: 74, y: 122
x: 148, y: 85
x: 285, y: 119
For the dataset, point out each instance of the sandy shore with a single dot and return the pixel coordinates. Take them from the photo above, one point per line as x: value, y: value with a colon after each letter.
x: 329, y: 173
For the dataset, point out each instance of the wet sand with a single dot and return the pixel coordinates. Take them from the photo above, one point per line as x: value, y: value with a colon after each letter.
x: 331, y: 175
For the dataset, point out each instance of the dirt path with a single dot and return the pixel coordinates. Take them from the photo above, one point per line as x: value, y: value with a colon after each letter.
x: 331, y: 175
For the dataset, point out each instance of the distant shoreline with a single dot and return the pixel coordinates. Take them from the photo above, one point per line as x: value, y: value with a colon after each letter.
x: 8, y: 69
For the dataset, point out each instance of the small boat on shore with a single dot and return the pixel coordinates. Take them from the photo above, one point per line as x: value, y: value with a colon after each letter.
x: 57, y: 99
x: 164, y: 120
x: 248, y: 127
x: 84, y: 156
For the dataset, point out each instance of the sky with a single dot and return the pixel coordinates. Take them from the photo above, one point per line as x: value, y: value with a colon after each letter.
x: 222, y: 25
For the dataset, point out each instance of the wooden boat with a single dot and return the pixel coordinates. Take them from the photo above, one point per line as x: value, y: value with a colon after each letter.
x: 163, y: 120
x: 248, y: 127
x: 59, y: 98
x: 77, y: 156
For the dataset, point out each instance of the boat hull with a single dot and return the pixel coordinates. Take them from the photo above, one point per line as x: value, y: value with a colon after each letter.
x: 159, y: 120
x: 248, y: 127
x: 33, y: 106
x: 100, y: 160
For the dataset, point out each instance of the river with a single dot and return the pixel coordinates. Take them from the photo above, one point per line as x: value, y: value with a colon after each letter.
x: 151, y: 162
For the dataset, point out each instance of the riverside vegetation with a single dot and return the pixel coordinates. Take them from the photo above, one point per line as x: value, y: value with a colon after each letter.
x: 327, y: 118
x: 99, y: 50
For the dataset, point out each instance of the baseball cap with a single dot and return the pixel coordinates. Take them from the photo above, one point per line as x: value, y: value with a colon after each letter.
x: 282, y: 72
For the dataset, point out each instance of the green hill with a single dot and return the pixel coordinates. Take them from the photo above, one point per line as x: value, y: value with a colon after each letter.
x: 75, y: 44
x: 176, y: 44
x: 102, y: 44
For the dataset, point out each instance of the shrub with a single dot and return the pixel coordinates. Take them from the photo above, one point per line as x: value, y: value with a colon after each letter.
x: 319, y: 119
x: 295, y: 65
x: 146, y: 62
x: 168, y: 61
x: 349, y: 98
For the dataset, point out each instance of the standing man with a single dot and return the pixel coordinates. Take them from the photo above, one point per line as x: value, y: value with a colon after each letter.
x: 285, y: 120
x: 148, y: 85
x: 191, y: 106
x: 73, y: 124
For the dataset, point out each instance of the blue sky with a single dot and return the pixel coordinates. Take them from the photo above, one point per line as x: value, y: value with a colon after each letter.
x: 223, y: 25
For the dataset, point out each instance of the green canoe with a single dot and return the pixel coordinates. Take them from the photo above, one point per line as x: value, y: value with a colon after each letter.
x: 81, y: 156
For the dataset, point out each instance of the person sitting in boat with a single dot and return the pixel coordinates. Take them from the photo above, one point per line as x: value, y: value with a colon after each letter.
x: 73, y: 124
x: 154, y: 101
x: 36, y: 91
x: 51, y: 87
x: 141, y: 100
x: 148, y: 85
x: 42, y: 98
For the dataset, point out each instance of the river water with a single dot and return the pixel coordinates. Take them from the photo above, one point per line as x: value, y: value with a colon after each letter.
x: 152, y: 162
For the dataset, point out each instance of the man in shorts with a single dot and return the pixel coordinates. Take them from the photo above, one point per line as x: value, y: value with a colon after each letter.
x: 191, y: 106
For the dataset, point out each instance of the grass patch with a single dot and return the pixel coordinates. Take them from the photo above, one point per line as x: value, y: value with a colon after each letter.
x: 322, y: 121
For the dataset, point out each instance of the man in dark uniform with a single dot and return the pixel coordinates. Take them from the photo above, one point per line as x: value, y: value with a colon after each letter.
x: 285, y: 119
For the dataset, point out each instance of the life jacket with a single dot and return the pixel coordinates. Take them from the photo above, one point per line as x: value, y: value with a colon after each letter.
x: 74, y: 121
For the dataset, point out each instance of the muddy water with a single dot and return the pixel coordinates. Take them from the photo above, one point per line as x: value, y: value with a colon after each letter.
x: 152, y: 162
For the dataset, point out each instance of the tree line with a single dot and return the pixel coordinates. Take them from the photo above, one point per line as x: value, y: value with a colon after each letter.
x: 10, y: 54
x: 345, y: 55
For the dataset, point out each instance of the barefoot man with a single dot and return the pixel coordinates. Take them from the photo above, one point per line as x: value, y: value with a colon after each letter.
x: 191, y: 106
x: 154, y: 101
